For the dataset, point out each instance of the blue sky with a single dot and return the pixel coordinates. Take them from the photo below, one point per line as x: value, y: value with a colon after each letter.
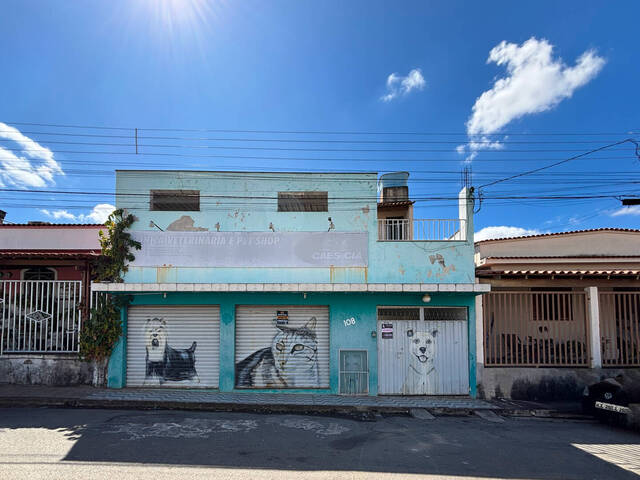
x: 543, y: 67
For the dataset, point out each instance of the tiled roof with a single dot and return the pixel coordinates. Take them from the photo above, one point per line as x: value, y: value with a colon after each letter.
x: 551, y: 234
x: 51, y: 225
x: 559, y: 273
x: 402, y: 203
x: 50, y: 254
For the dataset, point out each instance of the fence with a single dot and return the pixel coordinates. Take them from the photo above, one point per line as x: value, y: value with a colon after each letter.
x: 40, y: 316
x: 535, y: 329
x: 403, y: 229
x: 620, y: 328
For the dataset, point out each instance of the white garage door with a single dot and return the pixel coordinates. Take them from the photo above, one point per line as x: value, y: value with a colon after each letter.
x: 282, y: 346
x: 423, y: 351
x: 176, y: 346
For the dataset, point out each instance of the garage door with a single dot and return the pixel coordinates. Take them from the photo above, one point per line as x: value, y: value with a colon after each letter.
x: 173, y: 346
x: 282, y: 347
x: 423, y: 351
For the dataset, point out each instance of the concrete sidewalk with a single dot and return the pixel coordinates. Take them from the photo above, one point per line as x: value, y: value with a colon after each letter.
x: 197, y: 399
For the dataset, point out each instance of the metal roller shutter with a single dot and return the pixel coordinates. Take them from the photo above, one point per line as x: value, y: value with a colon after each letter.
x: 282, y: 346
x: 176, y: 346
x: 442, y: 368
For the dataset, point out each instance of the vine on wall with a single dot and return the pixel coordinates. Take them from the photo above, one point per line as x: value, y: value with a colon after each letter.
x: 103, y: 328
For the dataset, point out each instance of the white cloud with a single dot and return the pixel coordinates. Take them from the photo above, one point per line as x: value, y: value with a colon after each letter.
x: 29, y: 165
x: 398, y: 85
x: 99, y: 214
x: 535, y: 82
x: 631, y: 210
x: 503, y: 232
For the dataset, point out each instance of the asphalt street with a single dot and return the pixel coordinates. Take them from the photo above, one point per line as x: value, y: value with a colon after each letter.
x: 45, y: 443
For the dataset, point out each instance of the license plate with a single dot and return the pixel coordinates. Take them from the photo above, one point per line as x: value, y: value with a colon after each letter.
x: 612, y: 408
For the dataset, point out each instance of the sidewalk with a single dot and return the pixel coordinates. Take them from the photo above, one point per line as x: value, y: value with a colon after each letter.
x: 186, y: 399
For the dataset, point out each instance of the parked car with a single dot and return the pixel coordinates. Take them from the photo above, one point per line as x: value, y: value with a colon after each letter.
x: 612, y: 400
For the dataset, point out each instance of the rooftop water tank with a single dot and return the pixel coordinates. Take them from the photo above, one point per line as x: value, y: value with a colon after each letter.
x: 394, y: 187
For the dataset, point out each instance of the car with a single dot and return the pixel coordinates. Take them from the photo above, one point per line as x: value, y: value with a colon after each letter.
x: 612, y: 400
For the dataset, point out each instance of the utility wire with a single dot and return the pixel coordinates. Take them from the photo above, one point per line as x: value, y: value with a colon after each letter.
x: 630, y: 140
x: 311, y: 132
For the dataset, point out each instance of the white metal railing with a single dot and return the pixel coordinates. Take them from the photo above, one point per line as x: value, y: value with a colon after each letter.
x: 40, y: 316
x: 398, y: 230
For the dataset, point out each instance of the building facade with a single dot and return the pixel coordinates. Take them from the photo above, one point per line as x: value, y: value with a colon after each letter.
x: 294, y: 282
x: 563, y: 312
x: 45, y: 278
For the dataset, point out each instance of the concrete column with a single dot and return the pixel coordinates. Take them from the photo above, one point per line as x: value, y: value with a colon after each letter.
x: 594, y: 326
x: 479, y: 337
x: 227, y: 345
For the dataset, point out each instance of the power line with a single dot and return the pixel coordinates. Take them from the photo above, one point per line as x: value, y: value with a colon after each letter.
x: 630, y: 140
x: 298, y: 140
x: 310, y: 132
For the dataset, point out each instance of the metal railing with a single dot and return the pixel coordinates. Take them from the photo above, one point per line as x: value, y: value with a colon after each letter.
x: 535, y: 329
x: 620, y: 328
x: 398, y: 230
x: 40, y: 316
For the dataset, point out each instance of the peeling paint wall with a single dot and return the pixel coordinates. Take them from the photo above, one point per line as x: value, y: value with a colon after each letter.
x: 228, y: 203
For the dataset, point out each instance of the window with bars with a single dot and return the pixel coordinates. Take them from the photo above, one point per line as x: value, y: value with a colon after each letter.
x: 39, y: 273
x: 175, y: 200
x: 303, y: 201
x: 354, y: 372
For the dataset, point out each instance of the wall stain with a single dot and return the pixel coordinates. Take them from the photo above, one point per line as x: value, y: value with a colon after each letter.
x: 185, y: 224
x: 366, y: 209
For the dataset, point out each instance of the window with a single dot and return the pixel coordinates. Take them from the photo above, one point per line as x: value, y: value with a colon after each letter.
x: 354, y: 372
x: 175, y: 200
x: 303, y: 202
x: 396, y: 228
x: 39, y: 273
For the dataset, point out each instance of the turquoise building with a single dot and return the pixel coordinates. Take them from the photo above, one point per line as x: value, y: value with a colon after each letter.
x: 294, y: 282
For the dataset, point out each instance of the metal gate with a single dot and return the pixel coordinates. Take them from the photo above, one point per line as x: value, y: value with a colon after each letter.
x: 173, y: 346
x: 423, y: 351
x: 282, y: 346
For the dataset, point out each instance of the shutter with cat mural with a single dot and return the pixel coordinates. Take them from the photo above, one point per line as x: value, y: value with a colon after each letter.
x: 173, y: 346
x: 282, y: 346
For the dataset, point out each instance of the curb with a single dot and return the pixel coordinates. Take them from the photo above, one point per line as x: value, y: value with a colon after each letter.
x: 74, y: 402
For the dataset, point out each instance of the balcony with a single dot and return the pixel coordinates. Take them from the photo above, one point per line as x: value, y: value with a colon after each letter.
x: 421, y: 230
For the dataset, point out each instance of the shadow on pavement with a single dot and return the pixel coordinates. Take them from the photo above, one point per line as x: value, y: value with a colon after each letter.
x: 524, y: 448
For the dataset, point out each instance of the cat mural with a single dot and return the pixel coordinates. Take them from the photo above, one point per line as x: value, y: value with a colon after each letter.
x: 290, y: 361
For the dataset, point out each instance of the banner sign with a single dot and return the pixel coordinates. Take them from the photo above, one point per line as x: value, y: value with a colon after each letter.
x: 251, y: 249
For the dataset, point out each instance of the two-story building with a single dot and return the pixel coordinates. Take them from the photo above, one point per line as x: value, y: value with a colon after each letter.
x: 294, y: 282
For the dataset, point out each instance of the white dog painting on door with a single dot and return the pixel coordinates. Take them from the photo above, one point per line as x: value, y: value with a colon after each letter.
x: 420, y: 376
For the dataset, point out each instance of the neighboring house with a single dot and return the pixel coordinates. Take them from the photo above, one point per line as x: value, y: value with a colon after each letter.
x: 294, y: 282
x: 45, y: 277
x: 564, y: 311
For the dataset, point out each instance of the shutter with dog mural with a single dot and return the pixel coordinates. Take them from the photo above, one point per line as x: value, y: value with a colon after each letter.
x: 423, y: 351
x: 173, y: 346
x: 282, y: 346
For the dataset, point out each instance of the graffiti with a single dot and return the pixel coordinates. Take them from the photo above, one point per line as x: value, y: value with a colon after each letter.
x: 349, y: 321
x: 421, y: 369
x: 164, y: 363
x: 290, y: 361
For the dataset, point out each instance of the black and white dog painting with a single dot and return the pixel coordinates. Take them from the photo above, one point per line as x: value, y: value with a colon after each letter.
x: 164, y: 363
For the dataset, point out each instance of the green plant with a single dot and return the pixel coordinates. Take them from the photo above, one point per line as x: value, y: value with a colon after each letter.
x: 116, y: 247
x: 102, y: 329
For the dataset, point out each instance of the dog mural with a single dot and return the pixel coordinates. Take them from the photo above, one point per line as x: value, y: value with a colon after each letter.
x: 419, y: 378
x: 164, y: 363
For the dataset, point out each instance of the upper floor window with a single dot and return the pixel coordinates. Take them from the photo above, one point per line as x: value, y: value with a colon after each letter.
x: 303, y: 202
x: 39, y: 273
x: 175, y: 200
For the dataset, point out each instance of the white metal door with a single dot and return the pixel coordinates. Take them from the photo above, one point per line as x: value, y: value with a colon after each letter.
x: 422, y: 351
x: 282, y: 346
x: 173, y: 346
